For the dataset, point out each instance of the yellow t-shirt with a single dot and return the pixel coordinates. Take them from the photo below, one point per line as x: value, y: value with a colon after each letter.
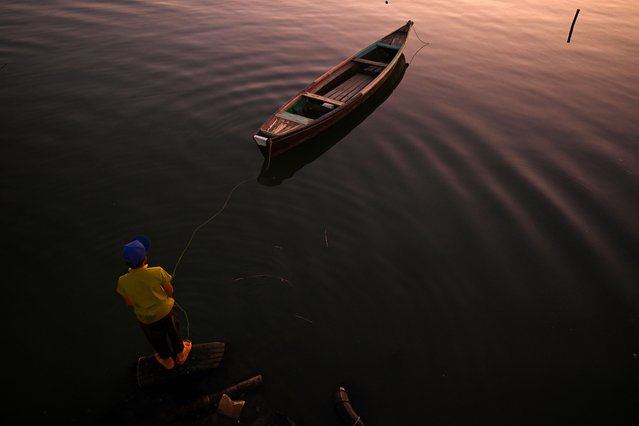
x: 143, y: 287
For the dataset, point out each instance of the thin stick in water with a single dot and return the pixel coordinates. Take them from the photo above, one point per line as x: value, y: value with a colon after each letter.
x: 572, y: 27
x: 283, y: 280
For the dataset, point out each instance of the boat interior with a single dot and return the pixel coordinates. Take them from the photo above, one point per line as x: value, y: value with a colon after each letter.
x: 341, y: 86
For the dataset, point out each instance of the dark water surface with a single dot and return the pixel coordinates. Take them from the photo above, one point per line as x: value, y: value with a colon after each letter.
x: 467, y: 254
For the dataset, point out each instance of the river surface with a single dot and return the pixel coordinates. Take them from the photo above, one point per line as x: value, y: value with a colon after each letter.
x: 463, y: 253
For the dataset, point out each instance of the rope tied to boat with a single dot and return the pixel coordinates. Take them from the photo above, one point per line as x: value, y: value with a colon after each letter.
x: 424, y: 44
x: 417, y: 35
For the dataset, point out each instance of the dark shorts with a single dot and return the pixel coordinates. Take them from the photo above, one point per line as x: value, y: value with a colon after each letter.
x: 164, y: 334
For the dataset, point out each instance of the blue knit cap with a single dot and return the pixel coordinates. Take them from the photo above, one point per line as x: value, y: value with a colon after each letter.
x: 135, y: 250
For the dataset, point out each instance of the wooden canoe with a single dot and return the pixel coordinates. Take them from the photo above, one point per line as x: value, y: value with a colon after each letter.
x: 332, y: 96
x: 276, y: 170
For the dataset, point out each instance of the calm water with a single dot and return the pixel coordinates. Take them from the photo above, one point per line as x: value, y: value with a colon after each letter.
x: 467, y: 254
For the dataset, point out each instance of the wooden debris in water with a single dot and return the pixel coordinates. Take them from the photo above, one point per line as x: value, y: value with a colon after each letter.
x: 210, y: 399
x: 203, y: 358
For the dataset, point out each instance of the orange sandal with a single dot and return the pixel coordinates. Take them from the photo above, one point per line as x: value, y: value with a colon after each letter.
x: 181, y: 357
x: 165, y: 362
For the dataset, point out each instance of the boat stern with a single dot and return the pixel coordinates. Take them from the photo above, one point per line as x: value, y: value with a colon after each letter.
x: 261, y: 141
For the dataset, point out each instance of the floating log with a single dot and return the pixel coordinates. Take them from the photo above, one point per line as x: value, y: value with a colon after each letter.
x: 214, y: 398
x: 344, y: 408
x: 203, y: 357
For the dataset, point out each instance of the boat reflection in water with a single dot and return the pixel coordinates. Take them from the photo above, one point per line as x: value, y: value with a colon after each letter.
x: 284, y: 166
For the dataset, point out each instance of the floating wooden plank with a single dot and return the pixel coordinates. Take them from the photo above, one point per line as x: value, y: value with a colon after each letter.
x: 203, y: 358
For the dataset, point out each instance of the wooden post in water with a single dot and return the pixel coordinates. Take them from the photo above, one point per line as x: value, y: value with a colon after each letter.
x: 572, y: 27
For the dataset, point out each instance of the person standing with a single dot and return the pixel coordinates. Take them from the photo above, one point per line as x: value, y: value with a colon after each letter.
x: 149, y: 290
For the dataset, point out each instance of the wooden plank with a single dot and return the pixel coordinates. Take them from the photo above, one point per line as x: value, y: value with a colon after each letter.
x: 373, y: 69
x: 348, y: 96
x: 335, y: 74
x: 334, y: 94
x: 348, y: 86
x: 343, y: 94
x: 362, y: 85
x: 366, y: 61
x: 278, y: 125
x: 203, y: 357
x: 294, y: 117
x: 357, y: 88
x: 388, y: 46
x: 323, y: 98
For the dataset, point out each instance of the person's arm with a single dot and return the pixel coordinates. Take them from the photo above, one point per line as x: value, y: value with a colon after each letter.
x: 168, y: 288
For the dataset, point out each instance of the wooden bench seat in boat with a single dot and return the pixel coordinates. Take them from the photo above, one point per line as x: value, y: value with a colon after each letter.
x: 367, y: 62
x: 388, y: 46
x: 294, y: 117
x: 323, y: 98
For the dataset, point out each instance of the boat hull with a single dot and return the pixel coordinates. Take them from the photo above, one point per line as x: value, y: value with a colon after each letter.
x: 331, y: 97
x: 276, y: 145
x: 276, y: 170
